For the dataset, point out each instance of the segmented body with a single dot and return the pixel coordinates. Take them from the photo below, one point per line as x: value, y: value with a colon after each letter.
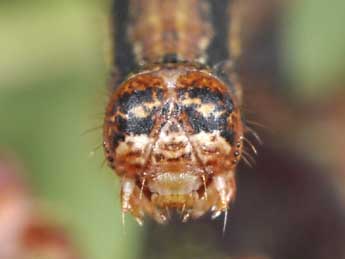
x: 173, y: 130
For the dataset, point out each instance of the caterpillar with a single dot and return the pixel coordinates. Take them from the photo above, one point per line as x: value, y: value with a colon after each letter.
x: 173, y: 130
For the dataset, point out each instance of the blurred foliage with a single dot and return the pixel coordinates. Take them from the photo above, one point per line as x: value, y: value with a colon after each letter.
x: 53, y: 88
x: 314, y: 45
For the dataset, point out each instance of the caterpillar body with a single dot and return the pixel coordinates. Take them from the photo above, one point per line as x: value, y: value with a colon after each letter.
x: 173, y: 130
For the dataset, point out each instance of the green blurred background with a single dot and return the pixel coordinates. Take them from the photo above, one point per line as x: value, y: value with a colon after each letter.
x: 53, y: 77
x: 52, y: 91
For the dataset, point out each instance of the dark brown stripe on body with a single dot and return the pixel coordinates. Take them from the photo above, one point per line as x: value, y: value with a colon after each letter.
x: 124, y: 60
x: 218, y: 50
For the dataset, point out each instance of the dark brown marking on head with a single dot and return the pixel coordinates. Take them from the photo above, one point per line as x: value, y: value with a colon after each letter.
x: 207, y: 106
x: 134, y: 107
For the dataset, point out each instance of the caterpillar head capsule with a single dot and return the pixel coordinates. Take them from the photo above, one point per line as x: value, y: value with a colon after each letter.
x: 173, y: 133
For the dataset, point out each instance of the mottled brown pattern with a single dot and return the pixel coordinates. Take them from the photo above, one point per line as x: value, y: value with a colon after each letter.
x: 130, y: 158
x: 185, y: 154
x: 160, y: 27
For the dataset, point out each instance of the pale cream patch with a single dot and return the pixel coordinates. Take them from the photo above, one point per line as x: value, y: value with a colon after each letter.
x: 139, y: 111
x: 204, y: 42
x: 135, y: 143
x: 168, y: 139
x: 127, y: 189
x: 208, y: 109
x: 207, y: 145
x: 189, y: 101
x: 175, y: 183
x: 138, y: 50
